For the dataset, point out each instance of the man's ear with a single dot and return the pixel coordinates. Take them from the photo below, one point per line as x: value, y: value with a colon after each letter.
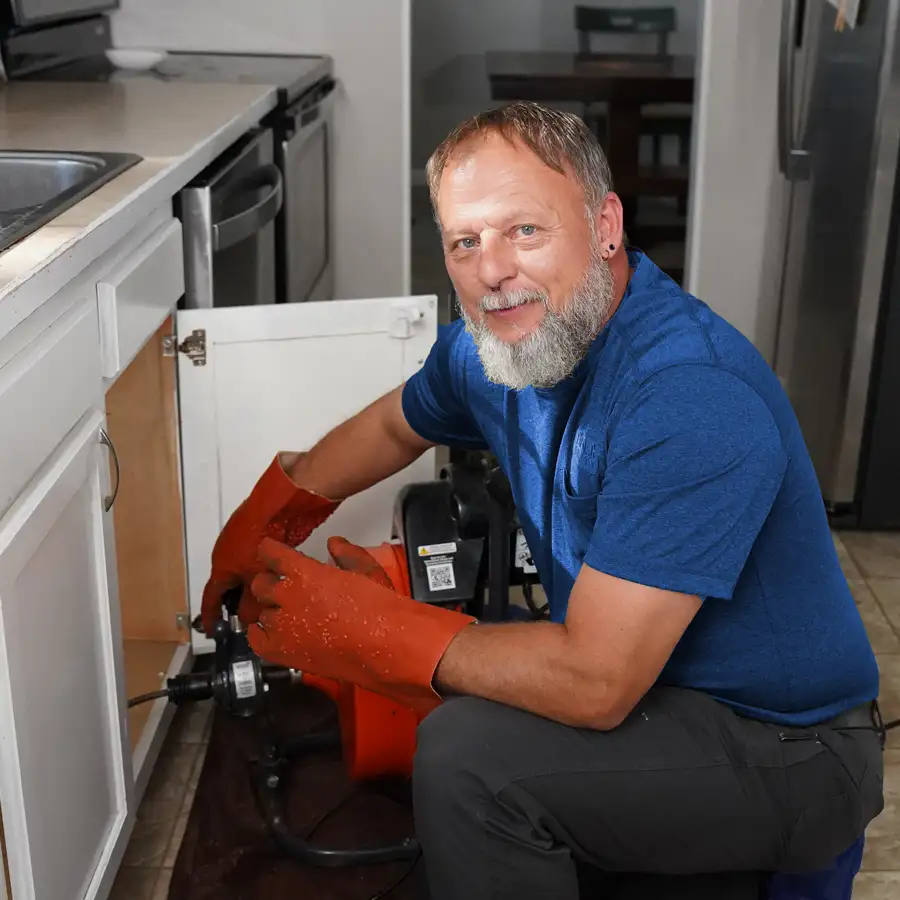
x: 609, y: 224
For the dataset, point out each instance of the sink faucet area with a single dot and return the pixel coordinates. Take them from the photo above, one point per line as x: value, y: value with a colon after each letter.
x: 36, y: 186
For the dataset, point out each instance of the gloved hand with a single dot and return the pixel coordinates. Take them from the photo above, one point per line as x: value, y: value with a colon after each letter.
x: 344, y: 625
x: 352, y: 558
x: 276, y: 508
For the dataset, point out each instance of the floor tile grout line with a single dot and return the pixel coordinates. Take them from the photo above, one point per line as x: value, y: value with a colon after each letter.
x: 849, y: 550
x: 848, y: 546
x: 857, y: 565
x: 881, y: 606
x: 158, y: 880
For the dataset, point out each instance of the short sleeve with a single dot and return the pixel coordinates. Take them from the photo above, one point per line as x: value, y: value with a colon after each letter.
x: 693, y: 467
x: 435, y: 398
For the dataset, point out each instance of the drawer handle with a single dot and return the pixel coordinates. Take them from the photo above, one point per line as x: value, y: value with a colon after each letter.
x: 107, y: 441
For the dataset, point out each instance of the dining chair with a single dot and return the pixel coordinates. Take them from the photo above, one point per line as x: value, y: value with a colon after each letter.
x: 657, y: 22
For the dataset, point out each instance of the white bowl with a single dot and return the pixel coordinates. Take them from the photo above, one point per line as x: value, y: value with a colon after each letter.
x: 135, y: 59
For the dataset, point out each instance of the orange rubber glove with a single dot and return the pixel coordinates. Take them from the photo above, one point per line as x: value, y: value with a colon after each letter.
x: 346, y: 626
x: 276, y: 508
x: 352, y: 558
x: 378, y: 734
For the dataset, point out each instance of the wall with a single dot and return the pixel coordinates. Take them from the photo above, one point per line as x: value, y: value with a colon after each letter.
x: 733, y: 259
x: 370, y: 45
x: 449, y: 38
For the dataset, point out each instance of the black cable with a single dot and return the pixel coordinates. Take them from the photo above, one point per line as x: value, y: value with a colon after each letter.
x: 339, y: 805
x: 146, y: 698
x: 384, y: 892
x: 539, y: 612
x: 395, y: 884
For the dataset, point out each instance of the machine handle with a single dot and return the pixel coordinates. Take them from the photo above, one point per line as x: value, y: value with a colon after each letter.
x: 238, y: 228
x: 107, y: 441
x: 232, y: 600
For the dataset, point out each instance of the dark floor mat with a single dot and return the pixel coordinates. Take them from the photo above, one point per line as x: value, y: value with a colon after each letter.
x: 227, y: 852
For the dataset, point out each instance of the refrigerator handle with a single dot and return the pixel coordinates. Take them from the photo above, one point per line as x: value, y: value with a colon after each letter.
x: 792, y: 161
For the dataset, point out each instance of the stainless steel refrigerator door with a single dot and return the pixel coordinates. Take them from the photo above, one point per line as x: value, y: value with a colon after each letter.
x: 876, y: 249
x: 831, y: 259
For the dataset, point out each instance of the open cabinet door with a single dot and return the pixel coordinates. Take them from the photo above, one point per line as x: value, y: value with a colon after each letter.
x: 257, y: 380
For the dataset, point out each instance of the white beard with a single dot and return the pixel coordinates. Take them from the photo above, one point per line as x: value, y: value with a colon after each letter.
x: 550, y: 353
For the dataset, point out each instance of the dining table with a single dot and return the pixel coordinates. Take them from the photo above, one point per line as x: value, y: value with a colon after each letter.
x: 625, y: 83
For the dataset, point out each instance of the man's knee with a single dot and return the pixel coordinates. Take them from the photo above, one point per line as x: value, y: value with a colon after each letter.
x: 453, y: 753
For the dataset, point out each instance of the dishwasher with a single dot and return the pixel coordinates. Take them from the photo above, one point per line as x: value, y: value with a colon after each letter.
x: 257, y: 222
x: 228, y: 217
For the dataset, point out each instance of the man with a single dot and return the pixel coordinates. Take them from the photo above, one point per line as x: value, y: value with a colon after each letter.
x: 701, y: 699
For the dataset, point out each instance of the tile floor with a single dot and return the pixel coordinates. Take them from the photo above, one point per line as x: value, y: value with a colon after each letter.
x: 872, y: 565
x: 162, y: 816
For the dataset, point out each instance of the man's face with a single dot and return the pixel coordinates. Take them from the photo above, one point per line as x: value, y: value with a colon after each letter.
x: 522, y: 253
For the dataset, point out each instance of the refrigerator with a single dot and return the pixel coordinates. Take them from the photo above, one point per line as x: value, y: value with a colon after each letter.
x: 837, y: 318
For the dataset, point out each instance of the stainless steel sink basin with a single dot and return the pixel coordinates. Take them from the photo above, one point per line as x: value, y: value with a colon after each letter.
x: 36, y: 186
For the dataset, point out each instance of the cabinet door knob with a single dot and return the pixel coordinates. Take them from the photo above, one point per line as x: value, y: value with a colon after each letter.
x: 111, y: 498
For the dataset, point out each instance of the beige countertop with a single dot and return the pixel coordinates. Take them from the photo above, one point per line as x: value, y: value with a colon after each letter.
x: 178, y: 129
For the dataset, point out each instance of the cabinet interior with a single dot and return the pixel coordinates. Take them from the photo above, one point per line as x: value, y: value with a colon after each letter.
x: 142, y: 422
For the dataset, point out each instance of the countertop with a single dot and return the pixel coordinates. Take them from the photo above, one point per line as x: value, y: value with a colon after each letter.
x: 178, y: 129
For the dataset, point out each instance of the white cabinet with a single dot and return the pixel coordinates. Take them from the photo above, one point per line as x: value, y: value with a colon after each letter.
x: 65, y: 771
x: 96, y: 604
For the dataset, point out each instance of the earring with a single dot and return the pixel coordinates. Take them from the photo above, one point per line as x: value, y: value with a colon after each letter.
x: 612, y: 247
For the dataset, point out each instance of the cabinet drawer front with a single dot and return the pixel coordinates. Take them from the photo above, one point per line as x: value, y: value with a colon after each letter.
x: 44, y: 391
x: 135, y: 298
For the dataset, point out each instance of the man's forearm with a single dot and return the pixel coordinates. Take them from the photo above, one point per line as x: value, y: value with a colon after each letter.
x: 530, y: 666
x: 364, y: 450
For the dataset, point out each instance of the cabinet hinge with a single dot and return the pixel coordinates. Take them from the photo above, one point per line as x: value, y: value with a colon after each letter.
x: 193, y: 346
x: 183, y: 621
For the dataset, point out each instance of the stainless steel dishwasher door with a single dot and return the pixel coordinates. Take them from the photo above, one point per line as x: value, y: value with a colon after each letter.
x: 304, y: 244
x: 228, y: 215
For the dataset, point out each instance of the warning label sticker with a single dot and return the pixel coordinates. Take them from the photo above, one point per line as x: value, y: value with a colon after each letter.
x: 437, y: 549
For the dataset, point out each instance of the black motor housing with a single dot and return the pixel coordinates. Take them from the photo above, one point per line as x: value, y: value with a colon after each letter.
x: 463, y: 540
x: 444, y: 567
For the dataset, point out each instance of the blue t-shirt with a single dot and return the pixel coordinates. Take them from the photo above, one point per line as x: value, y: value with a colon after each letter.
x: 672, y: 458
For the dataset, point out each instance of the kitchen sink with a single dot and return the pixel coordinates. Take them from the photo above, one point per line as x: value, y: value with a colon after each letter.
x: 36, y: 186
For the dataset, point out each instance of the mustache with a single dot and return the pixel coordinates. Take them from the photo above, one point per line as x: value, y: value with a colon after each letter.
x: 494, y: 302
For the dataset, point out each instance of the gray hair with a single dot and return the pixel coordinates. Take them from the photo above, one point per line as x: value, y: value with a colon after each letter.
x: 561, y: 141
